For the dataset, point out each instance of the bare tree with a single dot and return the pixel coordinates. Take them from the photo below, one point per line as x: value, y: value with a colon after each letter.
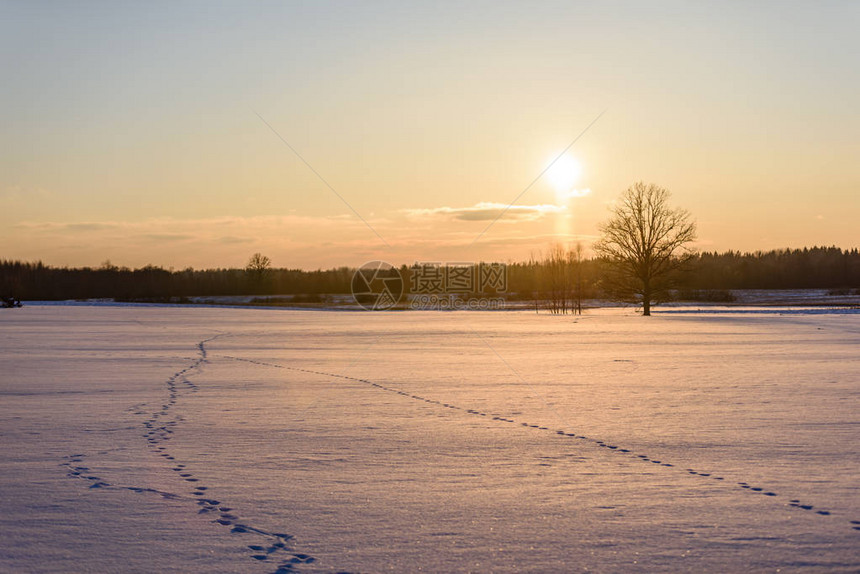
x: 560, y: 278
x: 645, y: 242
x: 556, y: 277
x: 535, y: 268
x: 108, y: 266
x: 577, y: 286
x: 257, y: 268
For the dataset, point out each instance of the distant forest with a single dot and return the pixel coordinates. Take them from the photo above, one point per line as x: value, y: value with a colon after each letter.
x: 818, y: 267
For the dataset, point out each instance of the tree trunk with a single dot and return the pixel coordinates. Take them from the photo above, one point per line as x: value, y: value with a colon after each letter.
x: 646, y: 300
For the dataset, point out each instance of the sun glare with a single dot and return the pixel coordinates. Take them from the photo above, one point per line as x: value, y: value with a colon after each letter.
x: 564, y: 173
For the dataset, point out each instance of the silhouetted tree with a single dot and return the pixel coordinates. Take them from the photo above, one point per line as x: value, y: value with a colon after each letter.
x: 560, y: 277
x: 555, y: 279
x: 257, y: 268
x: 645, y: 242
x: 578, y: 286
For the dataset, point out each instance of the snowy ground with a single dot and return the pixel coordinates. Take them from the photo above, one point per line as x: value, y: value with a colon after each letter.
x: 144, y: 439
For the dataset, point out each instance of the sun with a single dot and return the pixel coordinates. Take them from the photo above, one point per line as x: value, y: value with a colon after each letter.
x: 564, y: 173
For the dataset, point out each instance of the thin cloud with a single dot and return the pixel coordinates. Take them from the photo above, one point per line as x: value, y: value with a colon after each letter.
x: 164, y: 225
x: 290, y: 240
x: 53, y: 226
x: 22, y: 193
x: 575, y: 193
x: 486, y: 211
x: 168, y: 236
x: 229, y: 239
x: 546, y: 238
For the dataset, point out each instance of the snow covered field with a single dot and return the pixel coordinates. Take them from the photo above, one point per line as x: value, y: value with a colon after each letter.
x: 153, y: 439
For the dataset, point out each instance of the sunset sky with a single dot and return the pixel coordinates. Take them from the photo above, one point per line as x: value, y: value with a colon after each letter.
x: 139, y: 133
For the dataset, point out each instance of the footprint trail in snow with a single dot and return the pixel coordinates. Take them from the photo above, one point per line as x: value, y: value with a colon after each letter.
x: 159, y: 429
x: 644, y: 458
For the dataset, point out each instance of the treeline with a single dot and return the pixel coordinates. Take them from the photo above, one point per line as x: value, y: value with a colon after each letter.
x: 815, y: 268
x: 36, y: 281
x: 560, y: 275
x: 540, y: 278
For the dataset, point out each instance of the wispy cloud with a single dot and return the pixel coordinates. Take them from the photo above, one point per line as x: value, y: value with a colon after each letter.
x: 290, y: 240
x: 164, y: 227
x: 56, y: 226
x: 169, y: 236
x: 22, y: 193
x: 486, y: 211
x: 229, y: 239
x: 182, y: 240
x: 574, y: 193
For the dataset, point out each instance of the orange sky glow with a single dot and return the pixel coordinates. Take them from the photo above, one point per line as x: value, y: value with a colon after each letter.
x: 156, y: 133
